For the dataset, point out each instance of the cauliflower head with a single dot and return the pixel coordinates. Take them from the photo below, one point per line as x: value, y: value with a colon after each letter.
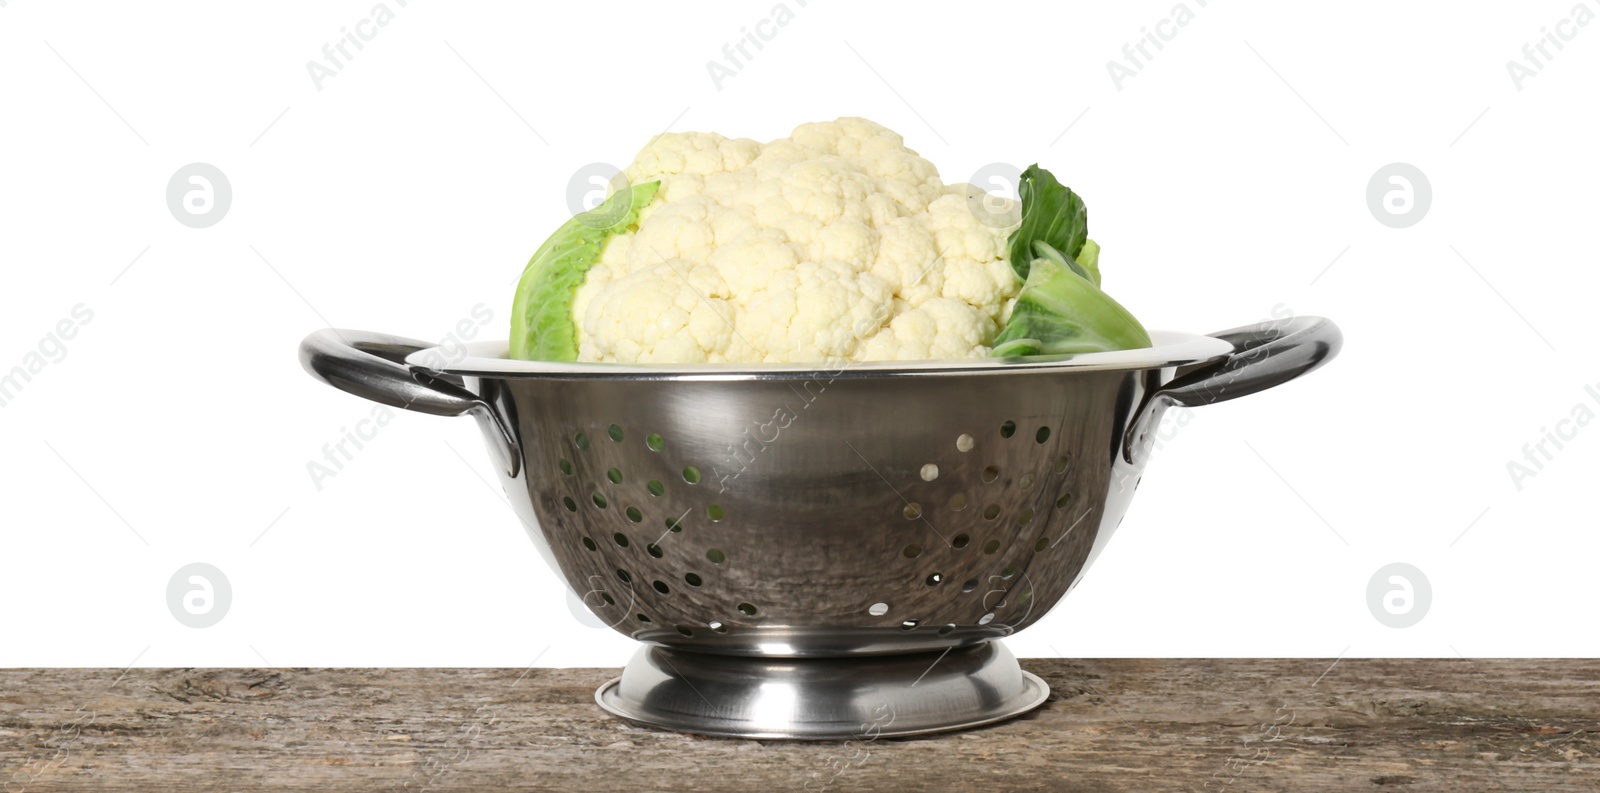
x: 835, y: 243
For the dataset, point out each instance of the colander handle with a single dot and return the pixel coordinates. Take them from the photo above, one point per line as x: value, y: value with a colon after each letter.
x: 1264, y: 355
x: 372, y: 366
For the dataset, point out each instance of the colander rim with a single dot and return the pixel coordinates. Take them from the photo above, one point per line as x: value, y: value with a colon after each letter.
x: 487, y: 359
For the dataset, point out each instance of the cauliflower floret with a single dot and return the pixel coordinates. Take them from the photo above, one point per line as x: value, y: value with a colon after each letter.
x: 940, y: 328
x: 811, y: 312
x: 631, y: 322
x: 837, y: 242
x: 701, y: 153
x: 909, y: 262
x: 960, y: 233
x: 675, y: 229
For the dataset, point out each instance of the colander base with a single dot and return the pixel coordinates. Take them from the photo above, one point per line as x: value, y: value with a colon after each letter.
x: 858, y: 698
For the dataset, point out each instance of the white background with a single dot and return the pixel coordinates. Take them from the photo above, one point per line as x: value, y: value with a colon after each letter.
x: 1224, y: 178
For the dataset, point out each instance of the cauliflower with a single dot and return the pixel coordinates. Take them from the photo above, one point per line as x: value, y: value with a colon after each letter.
x: 836, y: 243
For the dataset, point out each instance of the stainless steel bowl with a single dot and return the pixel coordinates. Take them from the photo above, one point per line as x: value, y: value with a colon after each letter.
x: 806, y: 549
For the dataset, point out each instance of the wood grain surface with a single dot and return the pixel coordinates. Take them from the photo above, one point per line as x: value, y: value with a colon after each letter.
x: 1110, y: 725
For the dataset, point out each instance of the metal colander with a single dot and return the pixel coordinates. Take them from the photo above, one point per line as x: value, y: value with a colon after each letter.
x: 816, y: 531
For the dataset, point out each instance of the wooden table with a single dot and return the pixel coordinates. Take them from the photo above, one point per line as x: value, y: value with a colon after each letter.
x: 1110, y: 725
